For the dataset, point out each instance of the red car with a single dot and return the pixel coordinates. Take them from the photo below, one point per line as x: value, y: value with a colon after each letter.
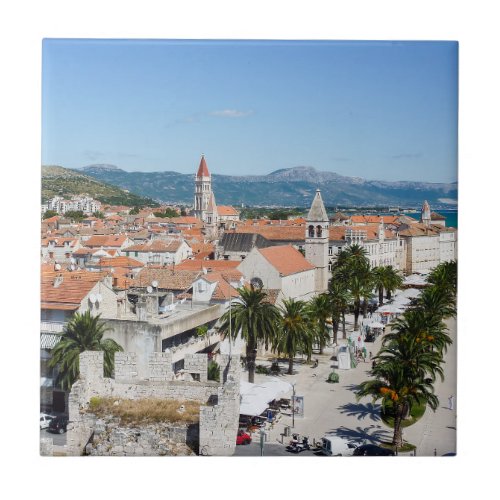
x: 243, y: 438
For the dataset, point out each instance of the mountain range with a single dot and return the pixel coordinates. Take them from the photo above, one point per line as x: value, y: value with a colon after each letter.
x: 60, y: 181
x: 285, y: 187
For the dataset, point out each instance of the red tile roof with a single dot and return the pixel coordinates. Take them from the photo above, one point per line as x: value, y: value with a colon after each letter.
x: 286, y: 259
x: 226, y: 210
x: 112, y: 240
x: 217, y: 265
x: 120, y: 262
x: 70, y: 292
x: 168, y: 278
x: 156, y: 246
x: 374, y: 219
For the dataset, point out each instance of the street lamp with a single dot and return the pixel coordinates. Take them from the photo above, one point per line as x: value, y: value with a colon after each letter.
x: 293, y: 405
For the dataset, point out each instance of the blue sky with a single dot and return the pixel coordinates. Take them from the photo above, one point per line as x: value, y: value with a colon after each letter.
x: 378, y: 110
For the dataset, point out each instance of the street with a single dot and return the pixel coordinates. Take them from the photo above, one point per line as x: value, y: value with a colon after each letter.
x: 332, y: 408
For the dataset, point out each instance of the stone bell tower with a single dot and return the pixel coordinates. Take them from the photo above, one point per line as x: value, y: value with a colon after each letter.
x: 425, y: 214
x: 202, y: 190
x: 317, y: 239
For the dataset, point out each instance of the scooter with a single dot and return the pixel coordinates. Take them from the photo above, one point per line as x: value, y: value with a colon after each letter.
x: 297, y: 446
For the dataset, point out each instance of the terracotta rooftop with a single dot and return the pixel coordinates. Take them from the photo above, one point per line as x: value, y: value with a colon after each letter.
x: 227, y: 210
x: 436, y: 216
x: 168, y: 278
x: 156, y: 246
x: 120, y: 262
x: 224, y: 289
x: 73, y: 288
x: 186, y: 219
x: 112, y: 240
x: 286, y: 259
x: 374, y: 219
x: 216, y: 265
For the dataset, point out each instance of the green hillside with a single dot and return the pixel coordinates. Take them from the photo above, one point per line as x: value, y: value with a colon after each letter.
x: 60, y: 181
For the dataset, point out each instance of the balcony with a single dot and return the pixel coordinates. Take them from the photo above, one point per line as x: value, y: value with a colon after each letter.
x: 52, y: 326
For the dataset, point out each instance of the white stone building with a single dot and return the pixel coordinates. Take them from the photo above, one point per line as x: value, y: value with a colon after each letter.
x: 283, y: 268
x: 160, y: 252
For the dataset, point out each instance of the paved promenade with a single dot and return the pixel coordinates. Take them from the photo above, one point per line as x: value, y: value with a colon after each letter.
x: 332, y: 408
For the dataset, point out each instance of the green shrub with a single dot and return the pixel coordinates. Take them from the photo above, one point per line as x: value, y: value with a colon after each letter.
x: 333, y: 378
x: 262, y: 369
x: 213, y: 371
x: 94, y: 403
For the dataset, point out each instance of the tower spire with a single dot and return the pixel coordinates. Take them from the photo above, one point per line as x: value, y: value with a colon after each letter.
x: 203, y: 169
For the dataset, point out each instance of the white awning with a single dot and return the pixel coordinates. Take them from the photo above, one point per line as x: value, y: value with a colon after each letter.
x: 255, y: 397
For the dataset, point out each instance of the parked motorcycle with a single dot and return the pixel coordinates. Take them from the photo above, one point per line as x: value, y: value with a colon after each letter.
x: 296, y: 445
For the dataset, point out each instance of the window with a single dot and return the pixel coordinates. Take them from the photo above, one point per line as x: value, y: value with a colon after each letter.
x: 311, y: 231
x: 319, y: 231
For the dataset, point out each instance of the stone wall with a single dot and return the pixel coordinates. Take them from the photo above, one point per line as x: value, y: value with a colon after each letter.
x: 160, y: 366
x: 158, y: 439
x: 218, y: 424
x: 197, y: 364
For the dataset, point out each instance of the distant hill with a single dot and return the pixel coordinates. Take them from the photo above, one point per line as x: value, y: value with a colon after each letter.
x: 65, y: 182
x: 285, y: 187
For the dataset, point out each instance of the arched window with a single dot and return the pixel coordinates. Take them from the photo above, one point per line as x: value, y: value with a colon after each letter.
x: 318, y: 231
x: 311, y: 231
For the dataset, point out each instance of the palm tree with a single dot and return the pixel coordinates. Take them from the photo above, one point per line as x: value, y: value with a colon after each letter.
x: 294, y: 331
x: 360, y: 287
x: 407, y: 365
x: 379, y: 279
x: 438, y: 301
x: 254, y: 319
x: 340, y: 298
x: 444, y: 275
x: 393, y: 280
x: 319, y: 310
x: 83, y: 332
x: 395, y: 386
x: 427, y: 331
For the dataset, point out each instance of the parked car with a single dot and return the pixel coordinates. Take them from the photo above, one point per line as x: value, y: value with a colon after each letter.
x: 243, y: 438
x: 59, y: 424
x: 45, y: 420
x: 372, y: 450
x: 337, y: 446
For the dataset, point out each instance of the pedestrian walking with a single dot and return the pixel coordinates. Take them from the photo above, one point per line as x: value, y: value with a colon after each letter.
x: 450, y: 402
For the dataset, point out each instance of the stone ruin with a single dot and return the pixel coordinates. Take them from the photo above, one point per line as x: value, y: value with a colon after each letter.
x: 214, y: 435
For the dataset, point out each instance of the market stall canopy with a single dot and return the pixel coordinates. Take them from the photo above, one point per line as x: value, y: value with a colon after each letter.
x: 375, y: 324
x: 390, y: 308
x: 410, y: 293
x: 401, y: 300
x: 254, y: 398
x: 415, y: 280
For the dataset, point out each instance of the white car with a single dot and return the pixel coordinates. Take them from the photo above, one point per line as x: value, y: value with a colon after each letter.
x: 337, y: 446
x: 45, y: 420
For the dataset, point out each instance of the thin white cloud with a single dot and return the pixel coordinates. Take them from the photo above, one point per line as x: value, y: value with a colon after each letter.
x: 231, y: 113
